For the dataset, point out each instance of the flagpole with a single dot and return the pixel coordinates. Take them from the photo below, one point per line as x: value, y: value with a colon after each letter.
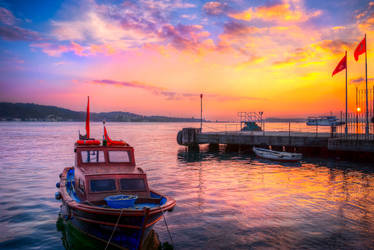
x: 366, y: 78
x: 346, y: 91
x: 201, y: 112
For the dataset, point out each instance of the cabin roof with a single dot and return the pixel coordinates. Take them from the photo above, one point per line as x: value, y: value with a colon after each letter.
x: 100, y: 146
x: 103, y: 170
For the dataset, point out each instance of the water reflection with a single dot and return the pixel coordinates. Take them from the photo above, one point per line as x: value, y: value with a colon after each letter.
x: 73, y: 239
x: 225, y: 200
x: 261, y: 203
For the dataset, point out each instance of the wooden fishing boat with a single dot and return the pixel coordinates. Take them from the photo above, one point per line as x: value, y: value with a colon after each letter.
x: 277, y: 155
x: 106, y: 196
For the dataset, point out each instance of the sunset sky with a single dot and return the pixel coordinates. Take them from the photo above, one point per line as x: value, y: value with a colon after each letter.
x: 156, y: 57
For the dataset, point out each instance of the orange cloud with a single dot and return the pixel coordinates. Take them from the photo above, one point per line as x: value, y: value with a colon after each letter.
x: 334, y: 46
x: 299, y: 55
x: 251, y: 60
x: 280, y: 12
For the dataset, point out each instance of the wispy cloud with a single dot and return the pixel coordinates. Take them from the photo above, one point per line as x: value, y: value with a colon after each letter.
x: 283, y: 11
x: 334, y: 46
x: 184, y: 36
x: 360, y: 80
x: 215, y: 8
x: 10, y: 32
x: 6, y: 17
x: 15, y: 33
x: 249, y: 62
x: 235, y: 28
x: 128, y: 84
x: 56, y: 50
x: 169, y: 94
x: 298, y: 55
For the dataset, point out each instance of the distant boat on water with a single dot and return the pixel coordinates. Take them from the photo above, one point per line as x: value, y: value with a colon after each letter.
x: 323, y: 121
x: 277, y: 155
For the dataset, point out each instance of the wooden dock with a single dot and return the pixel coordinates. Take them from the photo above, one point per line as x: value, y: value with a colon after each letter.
x: 295, y: 141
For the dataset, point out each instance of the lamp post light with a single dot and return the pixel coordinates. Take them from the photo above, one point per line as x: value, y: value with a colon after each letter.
x: 358, y: 110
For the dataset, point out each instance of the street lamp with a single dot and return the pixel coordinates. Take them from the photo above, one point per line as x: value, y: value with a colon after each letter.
x: 358, y: 110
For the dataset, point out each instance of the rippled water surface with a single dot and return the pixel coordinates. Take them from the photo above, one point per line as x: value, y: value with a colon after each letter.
x: 224, y: 200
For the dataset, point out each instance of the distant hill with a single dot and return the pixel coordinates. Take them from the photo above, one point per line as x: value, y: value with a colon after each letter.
x: 35, y: 112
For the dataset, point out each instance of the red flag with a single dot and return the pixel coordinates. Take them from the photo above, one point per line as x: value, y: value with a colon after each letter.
x: 341, y: 65
x: 110, y: 142
x: 106, y: 136
x: 361, y: 48
x: 88, y: 119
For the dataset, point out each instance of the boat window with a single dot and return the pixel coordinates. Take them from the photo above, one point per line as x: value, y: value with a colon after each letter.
x: 93, y: 156
x: 103, y: 185
x: 119, y: 156
x: 132, y: 184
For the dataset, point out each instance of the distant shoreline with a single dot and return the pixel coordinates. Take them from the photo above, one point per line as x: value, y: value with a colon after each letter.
x: 30, y: 112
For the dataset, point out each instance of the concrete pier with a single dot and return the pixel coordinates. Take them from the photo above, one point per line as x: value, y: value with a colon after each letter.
x: 299, y: 141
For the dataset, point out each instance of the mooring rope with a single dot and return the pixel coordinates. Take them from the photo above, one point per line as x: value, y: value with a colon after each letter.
x: 114, y: 229
x: 171, y: 238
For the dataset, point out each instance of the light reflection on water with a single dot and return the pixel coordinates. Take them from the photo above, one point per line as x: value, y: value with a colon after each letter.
x: 224, y: 200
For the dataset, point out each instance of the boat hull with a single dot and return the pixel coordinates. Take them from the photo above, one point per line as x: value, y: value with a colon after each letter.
x: 129, y: 233
x: 129, y: 226
x: 277, y: 156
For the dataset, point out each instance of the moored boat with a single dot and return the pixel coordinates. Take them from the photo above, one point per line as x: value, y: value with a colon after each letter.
x: 106, y: 196
x: 323, y: 121
x: 277, y: 155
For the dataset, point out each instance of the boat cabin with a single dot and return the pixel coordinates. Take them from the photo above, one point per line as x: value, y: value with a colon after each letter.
x: 101, y: 171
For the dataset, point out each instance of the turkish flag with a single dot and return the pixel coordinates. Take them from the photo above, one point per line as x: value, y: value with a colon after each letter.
x: 361, y: 48
x: 341, y: 65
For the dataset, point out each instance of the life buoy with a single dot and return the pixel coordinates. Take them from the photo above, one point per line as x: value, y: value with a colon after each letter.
x: 119, y: 143
x: 88, y: 142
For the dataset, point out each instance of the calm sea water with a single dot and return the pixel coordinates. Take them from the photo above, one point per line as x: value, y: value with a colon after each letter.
x: 224, y: 200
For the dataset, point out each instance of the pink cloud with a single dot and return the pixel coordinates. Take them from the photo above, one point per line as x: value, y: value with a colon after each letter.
x: 57, y: 50
x: 215, y: 8
x: 188, y: 37
x: 6, y: 17
x: 51, y: 49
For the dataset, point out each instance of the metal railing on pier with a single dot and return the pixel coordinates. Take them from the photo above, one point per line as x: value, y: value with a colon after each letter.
x: 356, y: 130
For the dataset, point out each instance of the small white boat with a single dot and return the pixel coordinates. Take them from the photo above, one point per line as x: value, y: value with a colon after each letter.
x: 277, y: 155
x: 323, y: 121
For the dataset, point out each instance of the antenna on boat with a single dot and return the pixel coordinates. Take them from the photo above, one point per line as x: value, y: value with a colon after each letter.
x: 104, y: 139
